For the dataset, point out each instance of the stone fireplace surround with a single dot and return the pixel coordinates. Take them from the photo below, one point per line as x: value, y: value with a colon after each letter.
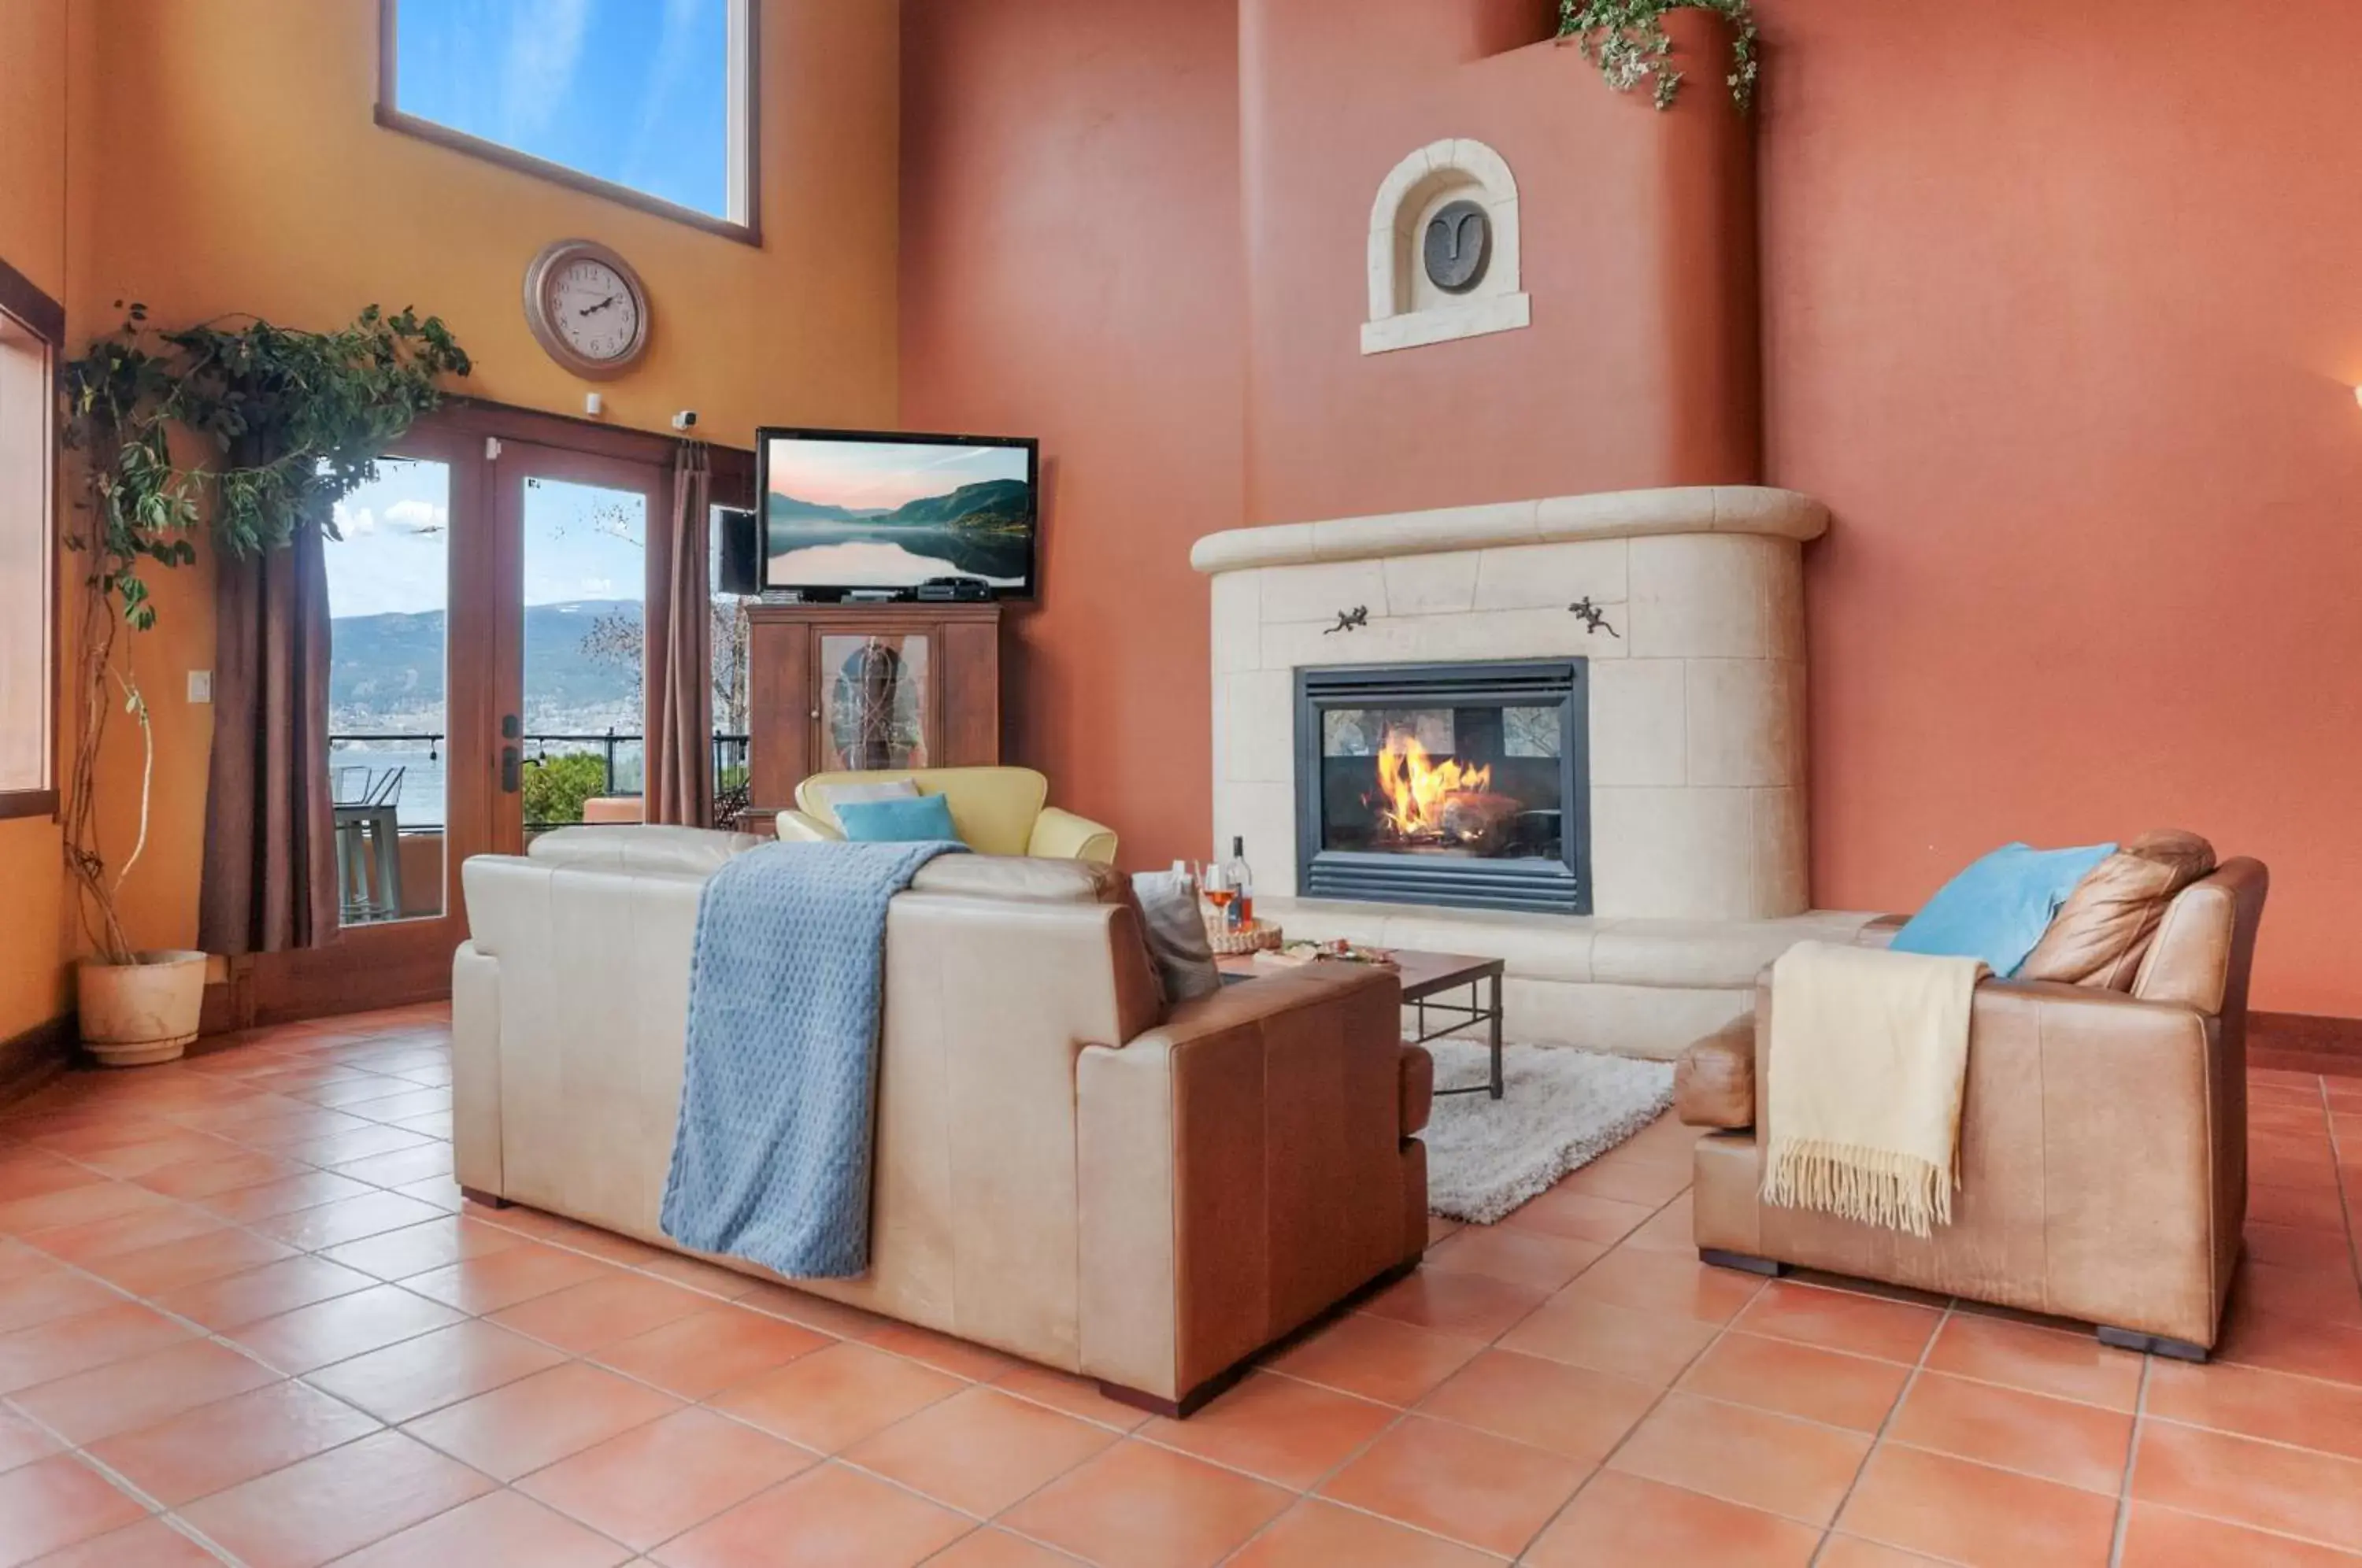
x: 1697, y: 763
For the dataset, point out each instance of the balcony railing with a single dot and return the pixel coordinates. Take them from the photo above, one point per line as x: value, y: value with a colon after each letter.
x: 622, y: 759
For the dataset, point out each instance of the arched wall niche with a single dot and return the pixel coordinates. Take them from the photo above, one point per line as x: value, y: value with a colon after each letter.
x: 1406, y: 308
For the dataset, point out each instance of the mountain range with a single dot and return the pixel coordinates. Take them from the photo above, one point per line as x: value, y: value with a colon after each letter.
x: 986, y: 528
x: 993, y: 506
x: 386, y: 672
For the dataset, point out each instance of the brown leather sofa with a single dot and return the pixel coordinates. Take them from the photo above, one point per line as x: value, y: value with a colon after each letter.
x: 2103, y: 1147
x: 1066, y: 1170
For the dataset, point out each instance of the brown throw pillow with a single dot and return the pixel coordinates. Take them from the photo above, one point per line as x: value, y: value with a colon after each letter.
x: 2100, y: 934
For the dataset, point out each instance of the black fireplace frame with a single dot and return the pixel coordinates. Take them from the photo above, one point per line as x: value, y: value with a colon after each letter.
x: 1560, y: 886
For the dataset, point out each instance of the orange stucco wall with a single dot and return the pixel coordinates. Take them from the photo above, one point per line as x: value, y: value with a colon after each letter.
x: 44, y: 52
x: 1139, y: 234
x: 233, y: 165
x: 1640, y: 367
x: 2058, y: 308
x: 2063, y: 313
x: 2059, y: 312
x: 1071, y: 270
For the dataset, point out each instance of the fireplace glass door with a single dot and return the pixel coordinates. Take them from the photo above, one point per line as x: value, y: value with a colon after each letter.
x: 1449, y: 784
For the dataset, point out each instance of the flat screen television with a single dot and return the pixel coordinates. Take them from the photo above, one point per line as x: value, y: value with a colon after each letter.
x: 868, y: 511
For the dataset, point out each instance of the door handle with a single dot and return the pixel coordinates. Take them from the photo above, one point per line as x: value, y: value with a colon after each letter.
x: 512, y: 757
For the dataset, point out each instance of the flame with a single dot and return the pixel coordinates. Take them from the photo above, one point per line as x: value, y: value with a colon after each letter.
x: 1416, y: 786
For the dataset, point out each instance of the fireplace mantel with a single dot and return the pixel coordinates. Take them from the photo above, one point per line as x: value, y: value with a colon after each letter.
x: 1559, y: 519
x: 1686, y: 604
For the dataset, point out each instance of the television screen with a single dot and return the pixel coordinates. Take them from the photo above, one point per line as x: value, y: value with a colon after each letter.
x: 854, y: 510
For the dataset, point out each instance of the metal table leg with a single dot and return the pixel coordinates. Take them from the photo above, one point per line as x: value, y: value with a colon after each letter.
x: 1494, y: 1029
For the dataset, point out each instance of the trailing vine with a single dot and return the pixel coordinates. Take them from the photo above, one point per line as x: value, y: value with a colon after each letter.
x: 279, y: 425
x: 1626, y: 39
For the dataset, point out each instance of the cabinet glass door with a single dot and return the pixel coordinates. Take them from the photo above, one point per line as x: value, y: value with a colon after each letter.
x: 875, y: 694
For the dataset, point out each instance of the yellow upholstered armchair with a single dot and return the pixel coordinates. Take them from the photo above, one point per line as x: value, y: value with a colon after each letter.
x: 997, y: 811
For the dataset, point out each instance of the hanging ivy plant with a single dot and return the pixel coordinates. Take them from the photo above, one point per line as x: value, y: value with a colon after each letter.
x: 1626, y: 39
x: 281, y: 424
x: 276, y: 426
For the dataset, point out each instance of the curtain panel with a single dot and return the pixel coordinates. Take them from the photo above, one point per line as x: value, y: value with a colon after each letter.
x: 680, y: 782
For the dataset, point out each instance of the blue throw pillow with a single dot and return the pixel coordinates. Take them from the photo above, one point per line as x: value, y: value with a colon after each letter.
x: 1998, y: 909
x: 907, y: 821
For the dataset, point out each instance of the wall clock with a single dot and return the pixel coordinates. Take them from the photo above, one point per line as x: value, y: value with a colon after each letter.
x: 587, y: 308
x: 1458, y: 244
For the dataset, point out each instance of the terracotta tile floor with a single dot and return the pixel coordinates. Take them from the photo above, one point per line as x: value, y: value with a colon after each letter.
x: 246, y: 1318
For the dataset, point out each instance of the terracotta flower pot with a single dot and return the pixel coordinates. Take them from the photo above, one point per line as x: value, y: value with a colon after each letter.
x: 142, y: 1012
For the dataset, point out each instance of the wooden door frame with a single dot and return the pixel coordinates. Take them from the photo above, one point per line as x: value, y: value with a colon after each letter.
x: 387, y: 964
x: 520, y: 460
x: 364, y: 967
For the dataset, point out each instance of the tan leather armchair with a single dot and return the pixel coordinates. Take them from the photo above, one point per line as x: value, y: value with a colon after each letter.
x: 997, y: 811
x: 2102, y: 1148
x: 1065, y: 1170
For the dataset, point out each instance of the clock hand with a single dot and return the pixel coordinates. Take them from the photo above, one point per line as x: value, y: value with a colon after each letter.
x: 602, y: 304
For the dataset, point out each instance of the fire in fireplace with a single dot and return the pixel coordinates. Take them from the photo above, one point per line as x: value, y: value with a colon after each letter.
x: 1447, y: 784
x: 1430, y: 805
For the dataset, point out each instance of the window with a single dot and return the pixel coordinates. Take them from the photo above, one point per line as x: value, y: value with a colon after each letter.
x: 30, y: 327
x: 646, y: 102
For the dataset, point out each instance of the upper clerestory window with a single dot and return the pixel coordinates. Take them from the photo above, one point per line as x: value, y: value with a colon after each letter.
x: 646, y: 102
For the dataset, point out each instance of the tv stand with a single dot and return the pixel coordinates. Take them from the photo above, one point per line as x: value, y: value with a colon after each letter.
x: 839, y: 687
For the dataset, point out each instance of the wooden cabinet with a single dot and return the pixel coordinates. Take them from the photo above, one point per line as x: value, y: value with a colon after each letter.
x: 839, y: 687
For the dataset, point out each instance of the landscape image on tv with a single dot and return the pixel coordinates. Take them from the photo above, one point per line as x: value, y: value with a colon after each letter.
x: 846, y: 511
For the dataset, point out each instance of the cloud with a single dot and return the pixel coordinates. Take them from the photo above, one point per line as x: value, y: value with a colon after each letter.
x: 544, y: 48
x: 675, y: 58
x: 601, y: 586
x: 418, y: 516
x: 352, y: 522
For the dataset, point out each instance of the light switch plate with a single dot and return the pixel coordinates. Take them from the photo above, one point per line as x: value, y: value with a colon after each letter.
x: 201, y: 686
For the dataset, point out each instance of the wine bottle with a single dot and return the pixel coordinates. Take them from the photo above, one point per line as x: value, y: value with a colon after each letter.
x: 1242, y: 880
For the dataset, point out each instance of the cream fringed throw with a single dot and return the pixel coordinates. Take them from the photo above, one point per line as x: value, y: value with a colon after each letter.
x: 1868, y: 1053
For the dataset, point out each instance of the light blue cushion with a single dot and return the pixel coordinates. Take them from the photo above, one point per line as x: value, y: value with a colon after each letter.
x: 908, y: 821
x: 1998, y: 909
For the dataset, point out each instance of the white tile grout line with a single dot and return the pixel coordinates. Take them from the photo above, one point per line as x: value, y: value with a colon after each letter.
x: 554, y: 1240
x: 2337, y: 1174
x: 2132, y: 1459
x: 1886, y: 1423
x: 1617, y: 1447
x: 559, y: 1239
x: 382, y: 1426
x: 157, y: 1511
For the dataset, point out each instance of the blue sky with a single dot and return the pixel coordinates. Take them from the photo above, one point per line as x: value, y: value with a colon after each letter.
x: 631, y: 91
x: 579, y: 543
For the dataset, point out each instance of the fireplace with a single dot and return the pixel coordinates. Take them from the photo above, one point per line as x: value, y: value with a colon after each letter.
x: 1463, y: 784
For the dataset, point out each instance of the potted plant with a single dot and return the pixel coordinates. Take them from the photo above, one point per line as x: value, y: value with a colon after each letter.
x: 246, y: 431
x: 1626, y: 39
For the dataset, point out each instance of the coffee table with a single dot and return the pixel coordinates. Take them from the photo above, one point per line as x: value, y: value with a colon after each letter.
x: 1427, y: 976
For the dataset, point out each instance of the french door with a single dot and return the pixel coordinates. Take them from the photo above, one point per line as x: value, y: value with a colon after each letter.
x: 413, y: 605
x: 486, y: 605
x: 571, y: 532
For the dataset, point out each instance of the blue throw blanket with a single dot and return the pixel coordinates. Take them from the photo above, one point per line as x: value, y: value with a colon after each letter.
x: 771, y: 1160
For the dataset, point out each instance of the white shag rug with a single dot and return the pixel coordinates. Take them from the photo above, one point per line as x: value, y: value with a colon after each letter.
x: 1560, y: 1110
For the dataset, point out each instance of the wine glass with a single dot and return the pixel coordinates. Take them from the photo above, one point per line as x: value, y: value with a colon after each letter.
x: 1214, y: 886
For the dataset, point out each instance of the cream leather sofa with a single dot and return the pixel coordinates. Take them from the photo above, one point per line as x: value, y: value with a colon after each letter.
x: 997, y: 811
x: 2102, y: 1161
x: 1063, y: 1171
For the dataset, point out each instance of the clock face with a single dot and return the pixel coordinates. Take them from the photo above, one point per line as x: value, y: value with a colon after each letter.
x: 593, y: 309
x: 587, y: 306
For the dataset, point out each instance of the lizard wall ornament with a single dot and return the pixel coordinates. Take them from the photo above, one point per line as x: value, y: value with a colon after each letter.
x: 1593, y: 617
x: 1351, y: 620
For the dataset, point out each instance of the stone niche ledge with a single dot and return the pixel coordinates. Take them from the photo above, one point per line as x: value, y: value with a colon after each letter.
x: 1565, y: 519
